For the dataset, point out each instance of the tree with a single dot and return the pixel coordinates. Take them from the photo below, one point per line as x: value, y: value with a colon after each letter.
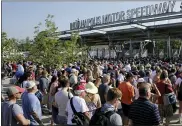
x: 176, y: 44
x: 45, y: 48
x: 9, y: 48
x: 49, y: 50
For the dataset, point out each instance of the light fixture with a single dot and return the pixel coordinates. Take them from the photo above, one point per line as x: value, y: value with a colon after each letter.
x: 139, y: 26
x: 147, y: 40
x: 99, y: 31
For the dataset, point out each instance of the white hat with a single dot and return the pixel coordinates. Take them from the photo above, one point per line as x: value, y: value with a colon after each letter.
x: 140, y: 80
x: 73, y: 70
x: 70, y: 64
x: 91, y: 88
x: 30, y: 84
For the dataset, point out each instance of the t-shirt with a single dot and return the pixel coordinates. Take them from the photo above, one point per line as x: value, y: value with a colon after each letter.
x: 61, y: 99
x: 144, y: 113
x: 115, y: 119
x: 127, y: 92
x: 120, y: 78
x: 164, y: 89
x: 103, y: 89
x: 24, y: 84
x: 178, y: 81
x: 79, y: 105
x: 20, y: 68
x: 43, y: 83
x: 30, y: 103
x: 5, y: 111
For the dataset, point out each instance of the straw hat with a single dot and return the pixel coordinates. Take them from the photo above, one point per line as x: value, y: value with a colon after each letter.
x: 91, y: 88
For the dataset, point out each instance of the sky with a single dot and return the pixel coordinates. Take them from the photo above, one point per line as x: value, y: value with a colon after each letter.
x: 20, y: 18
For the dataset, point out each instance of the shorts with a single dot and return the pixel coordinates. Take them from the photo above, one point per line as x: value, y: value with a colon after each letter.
x: 165, y: 110
x: 126, y: 109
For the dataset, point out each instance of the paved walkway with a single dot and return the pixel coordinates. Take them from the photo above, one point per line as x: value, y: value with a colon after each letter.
x: 46, y: 118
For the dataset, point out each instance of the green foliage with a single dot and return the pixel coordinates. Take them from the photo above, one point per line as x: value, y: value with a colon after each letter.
x: 160, y: 44
x: 9, y: 48
x: 176, y: 44
x: 46, y: 48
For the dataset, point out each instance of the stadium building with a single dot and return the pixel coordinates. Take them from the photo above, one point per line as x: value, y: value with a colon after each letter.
x: 134, y: 33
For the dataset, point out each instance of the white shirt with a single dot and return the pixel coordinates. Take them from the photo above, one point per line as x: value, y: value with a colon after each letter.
x: 128, y: 68
x: 20, y: 68
x: 120, y: 77
x: 24, y: 84
x: 79, y: 105
x: 101, y: 69
x: 153, y: 74
x: 136, y: 93
x: 178, y: 81
x: 61, y: 99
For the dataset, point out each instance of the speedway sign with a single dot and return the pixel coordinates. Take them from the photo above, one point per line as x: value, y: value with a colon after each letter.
x: 144, y: 11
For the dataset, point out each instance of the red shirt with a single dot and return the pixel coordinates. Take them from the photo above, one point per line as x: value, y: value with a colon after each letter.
x: 14, y: 66
x: 164, y: 89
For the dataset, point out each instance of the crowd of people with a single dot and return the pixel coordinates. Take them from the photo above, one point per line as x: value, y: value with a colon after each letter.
x: 138, y: 92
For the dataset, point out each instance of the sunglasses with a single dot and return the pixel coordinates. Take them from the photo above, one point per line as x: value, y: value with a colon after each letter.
x: 119, y: 99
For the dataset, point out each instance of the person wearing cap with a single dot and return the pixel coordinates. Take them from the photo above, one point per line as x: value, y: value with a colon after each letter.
x: 128, y: 93
x: 139, y: 82
x: 78, y: 103
x: 11, y: 108
x: 142, y: 112
x: 31, y: 104
x: 92, y: 98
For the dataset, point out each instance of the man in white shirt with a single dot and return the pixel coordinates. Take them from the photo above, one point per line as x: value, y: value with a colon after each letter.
x: 20, y: 67
x: 78, y: 103
x: 128, y: 67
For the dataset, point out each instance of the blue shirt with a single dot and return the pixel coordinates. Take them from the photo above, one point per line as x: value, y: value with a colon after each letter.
x: 30, y: 103
x: 8, y: 108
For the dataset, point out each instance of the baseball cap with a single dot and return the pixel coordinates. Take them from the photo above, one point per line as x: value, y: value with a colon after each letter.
x: 80, y: 87
x: 73, y: 70
x: 30, y: 84
x: 13, y: 90
x: 140, y: 80
x: 68, y: 70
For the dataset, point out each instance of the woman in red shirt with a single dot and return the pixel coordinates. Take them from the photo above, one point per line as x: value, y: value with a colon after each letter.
x: 165, y: 87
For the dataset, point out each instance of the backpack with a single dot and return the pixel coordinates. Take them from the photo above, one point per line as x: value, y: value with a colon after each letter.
x: 78, y: 117
x: 100, y: 118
